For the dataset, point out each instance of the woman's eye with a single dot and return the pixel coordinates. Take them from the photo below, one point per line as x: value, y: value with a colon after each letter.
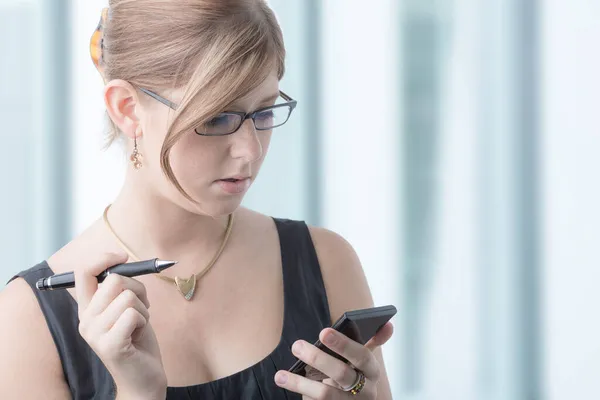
x: 219, y: 120
x: 265, y: 115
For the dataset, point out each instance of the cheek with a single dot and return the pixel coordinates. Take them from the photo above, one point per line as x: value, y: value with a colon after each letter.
x: 153, y: 139
x: 195, y: 158
x: 265, y: 142
x: 151, y: 150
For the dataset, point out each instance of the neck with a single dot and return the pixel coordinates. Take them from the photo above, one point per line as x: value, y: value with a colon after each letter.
x: 152, y: 226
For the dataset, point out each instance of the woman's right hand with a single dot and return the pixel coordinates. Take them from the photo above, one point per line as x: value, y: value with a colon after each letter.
x: 114, y: 321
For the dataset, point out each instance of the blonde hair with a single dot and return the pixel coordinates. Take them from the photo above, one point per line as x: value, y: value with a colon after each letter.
x: 218, y: 50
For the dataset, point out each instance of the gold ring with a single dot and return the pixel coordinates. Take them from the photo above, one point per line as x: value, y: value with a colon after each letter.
x: 358, y: 385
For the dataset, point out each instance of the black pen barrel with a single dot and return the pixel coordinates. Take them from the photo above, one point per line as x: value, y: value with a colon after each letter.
x: 67, y: 280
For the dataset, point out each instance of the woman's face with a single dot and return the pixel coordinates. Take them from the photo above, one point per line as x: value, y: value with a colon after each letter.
x: 216, y: 171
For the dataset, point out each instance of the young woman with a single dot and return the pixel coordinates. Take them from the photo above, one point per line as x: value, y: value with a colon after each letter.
x: 192, y: 88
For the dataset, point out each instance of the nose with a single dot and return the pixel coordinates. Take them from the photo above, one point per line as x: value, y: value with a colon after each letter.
x: 246, y: 143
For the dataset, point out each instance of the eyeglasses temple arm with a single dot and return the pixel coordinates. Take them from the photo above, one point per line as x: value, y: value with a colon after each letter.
x: 285, y: 96
x: 159, y: 98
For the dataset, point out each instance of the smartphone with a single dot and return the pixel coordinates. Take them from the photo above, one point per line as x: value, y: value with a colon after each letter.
x: 358, y: 325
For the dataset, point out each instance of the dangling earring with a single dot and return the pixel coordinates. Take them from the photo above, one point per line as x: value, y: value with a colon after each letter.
x: 136, y: 157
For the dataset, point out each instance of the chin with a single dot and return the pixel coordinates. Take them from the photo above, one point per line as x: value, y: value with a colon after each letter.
x: 216, y: 207
x: 214, y: 202
x: 225, y: 207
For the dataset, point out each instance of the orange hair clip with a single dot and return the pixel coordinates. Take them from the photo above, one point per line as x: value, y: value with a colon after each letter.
x: 97, y: 42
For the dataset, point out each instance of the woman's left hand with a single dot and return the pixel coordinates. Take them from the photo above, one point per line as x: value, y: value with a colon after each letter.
x: 341, y: 375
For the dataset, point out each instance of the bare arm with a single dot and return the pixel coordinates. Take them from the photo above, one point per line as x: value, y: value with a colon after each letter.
x: 346, y: 286
x: 30, y: 367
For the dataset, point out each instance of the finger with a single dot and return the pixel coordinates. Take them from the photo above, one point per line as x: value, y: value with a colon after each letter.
x: 112, y: 287
x: 381, y: 337
x: 125, y: 326
x: 126, y: 299
x: 304, y: 386
x: 358, y: 355
x: 337, y: 370
x: 86, y: 282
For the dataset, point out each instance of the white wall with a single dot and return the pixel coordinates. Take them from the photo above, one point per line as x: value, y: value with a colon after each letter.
x: 19, y: 90
x: 452, y: 343
x: 571, y: 165
x: 97, y: 175
x: 361, y: 171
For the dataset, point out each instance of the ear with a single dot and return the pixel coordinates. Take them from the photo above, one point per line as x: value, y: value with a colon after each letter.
x: 121, y: 99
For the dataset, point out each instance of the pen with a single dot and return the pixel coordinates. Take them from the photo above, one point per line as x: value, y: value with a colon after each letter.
x: 67, y: 280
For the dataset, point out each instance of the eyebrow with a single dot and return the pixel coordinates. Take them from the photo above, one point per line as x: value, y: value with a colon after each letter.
x: 268, y: 99
x: 271, y: 98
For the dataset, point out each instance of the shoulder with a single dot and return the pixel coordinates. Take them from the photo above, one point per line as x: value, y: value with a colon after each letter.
x: 345, y: 282
x: 18, y: 292
x: 252, y: 222
x: 343, y: 275
x: 29, y: 354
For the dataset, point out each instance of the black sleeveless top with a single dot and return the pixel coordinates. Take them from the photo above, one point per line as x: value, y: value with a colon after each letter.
x: 306, y: 313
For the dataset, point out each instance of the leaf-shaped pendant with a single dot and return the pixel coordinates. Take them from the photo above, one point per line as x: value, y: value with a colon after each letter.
x: 186, y: 286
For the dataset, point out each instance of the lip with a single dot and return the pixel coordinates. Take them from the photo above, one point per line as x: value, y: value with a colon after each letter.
x: 238, y: 186
x: 236, y: 177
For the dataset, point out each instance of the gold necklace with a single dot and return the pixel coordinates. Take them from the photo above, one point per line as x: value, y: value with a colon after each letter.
x: 185, y: 286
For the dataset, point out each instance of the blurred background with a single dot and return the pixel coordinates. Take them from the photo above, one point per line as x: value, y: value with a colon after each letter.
x: 453, y: 143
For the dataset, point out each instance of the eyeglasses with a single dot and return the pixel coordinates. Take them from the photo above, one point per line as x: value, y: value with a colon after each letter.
x: 229, y: 122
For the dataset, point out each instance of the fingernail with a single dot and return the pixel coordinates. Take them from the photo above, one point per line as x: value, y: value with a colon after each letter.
x: 329, y: 338
x: 297, y: 347
x: 281, y: 378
